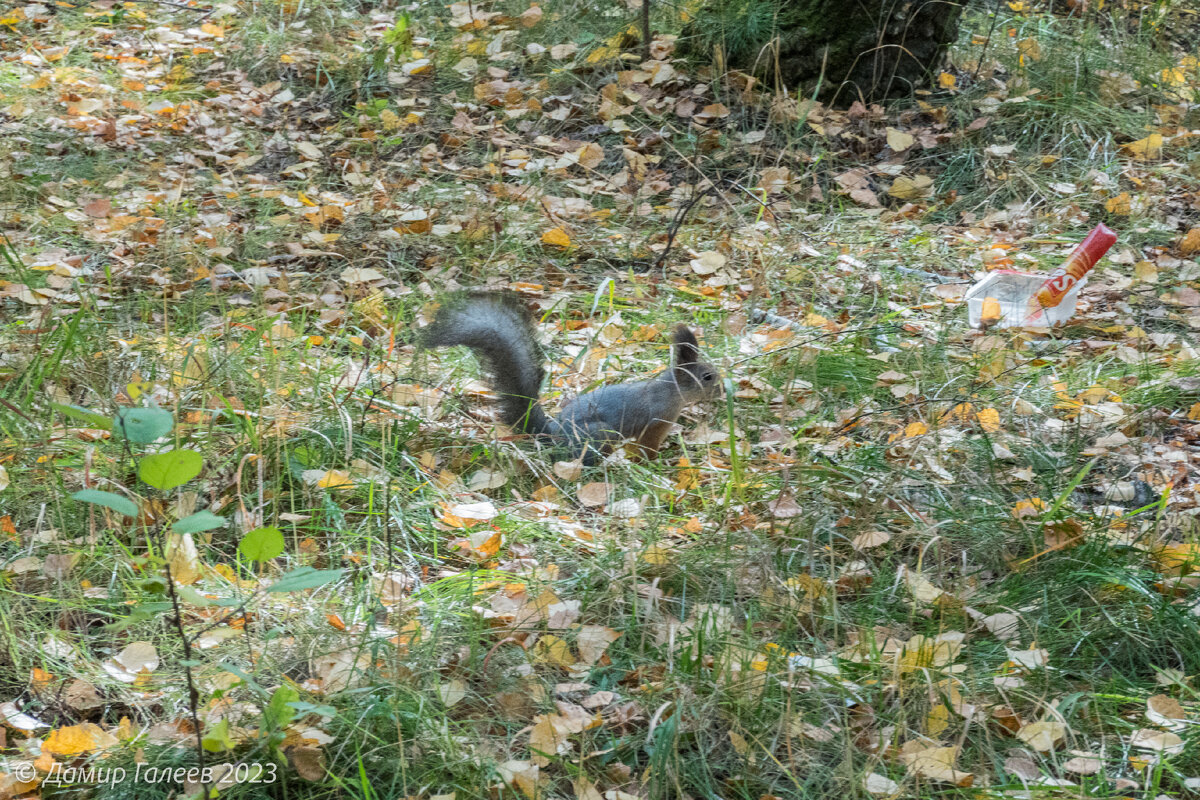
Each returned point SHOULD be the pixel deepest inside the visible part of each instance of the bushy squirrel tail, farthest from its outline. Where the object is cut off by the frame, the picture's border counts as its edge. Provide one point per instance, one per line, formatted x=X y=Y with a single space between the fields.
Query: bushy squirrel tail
x=497 y=328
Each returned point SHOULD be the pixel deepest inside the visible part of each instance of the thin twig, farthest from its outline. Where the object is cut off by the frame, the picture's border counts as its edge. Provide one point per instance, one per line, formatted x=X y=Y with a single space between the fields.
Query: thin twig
x=986 y=40
x=677 y=223
x=182 y=7
x=193 y=692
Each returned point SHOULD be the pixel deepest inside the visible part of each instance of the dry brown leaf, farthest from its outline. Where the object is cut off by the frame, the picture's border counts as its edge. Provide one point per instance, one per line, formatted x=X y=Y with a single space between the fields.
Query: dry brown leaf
x=1157 y=741
x=593 y=640
x=308 y=762
x=870 y=539
x=594 y=494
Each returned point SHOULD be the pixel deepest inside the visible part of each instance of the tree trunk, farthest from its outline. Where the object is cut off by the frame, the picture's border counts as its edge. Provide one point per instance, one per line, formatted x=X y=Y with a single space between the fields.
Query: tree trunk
x=857 y=49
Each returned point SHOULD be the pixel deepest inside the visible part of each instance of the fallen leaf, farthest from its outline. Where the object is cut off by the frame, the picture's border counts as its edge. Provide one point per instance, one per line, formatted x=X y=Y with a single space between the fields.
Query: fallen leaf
x=1158 y=741
x=309 y=762
x=593 y=640
x=556 y=237
x=1190 y=243
x=870 y=539
x=899 y=141
x=1147 y=149
x=1043 y=736
x=594 y=494
x=911 y=189
x=937 y=764
x=77 y=739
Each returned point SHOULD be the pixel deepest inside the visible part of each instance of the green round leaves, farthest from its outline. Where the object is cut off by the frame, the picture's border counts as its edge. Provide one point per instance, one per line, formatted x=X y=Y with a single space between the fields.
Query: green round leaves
x=170 y=469
x=262 y=544
x=116 y=502
x=143 y=425
x=200 y=521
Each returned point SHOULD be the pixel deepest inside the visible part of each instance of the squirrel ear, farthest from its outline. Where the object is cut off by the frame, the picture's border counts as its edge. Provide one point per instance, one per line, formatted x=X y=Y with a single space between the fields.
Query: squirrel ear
x=687 y=349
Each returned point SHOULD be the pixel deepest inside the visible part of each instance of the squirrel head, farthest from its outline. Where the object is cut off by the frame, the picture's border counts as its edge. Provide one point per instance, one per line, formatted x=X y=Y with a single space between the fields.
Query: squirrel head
x=698 y=381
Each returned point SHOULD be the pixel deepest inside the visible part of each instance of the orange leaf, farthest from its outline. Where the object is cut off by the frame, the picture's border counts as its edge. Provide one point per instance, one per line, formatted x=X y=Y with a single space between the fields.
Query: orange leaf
x=77 y=739
x=1120 y=204
x=1028 y=508
x=556 y=237
x=1191 y=242
x=991 y=312
x=989 y=419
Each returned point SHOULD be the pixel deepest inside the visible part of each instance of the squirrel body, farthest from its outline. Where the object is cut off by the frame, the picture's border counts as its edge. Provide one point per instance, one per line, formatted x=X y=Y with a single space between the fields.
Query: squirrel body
x=498 y=329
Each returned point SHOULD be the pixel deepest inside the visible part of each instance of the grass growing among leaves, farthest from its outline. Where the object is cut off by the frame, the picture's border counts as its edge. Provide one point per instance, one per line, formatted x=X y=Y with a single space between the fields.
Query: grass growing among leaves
x=246 y=527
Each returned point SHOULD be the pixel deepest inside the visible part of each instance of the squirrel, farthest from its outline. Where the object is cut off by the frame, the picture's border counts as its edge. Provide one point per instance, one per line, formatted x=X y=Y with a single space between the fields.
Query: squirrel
x=497 y=327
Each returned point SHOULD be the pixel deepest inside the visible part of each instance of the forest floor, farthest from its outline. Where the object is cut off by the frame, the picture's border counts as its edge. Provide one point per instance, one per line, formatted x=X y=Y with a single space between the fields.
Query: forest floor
x=244 y=525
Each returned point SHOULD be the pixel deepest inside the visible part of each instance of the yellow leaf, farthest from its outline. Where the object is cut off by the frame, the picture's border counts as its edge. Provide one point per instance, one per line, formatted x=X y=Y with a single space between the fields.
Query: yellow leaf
x=991 y=312
x=989 y=419
x=922 y=652
x=556 y=237
x=1028 y=508
x=335 y=479
x=936 y=764
x=1146 y=149
x=137 y=387
x=590 y=156
x=603 y=53
x=1194 y=412
x=937 y=720
x=554 y=651
x=656 y=556
x=213 y=30
x=1174 y=77
x=910 y=189
x=688 y=476
x=1120 y=204
x=961 y=412
x=915 y=429
x=1146 y=271
x=947 y=81
x=77 y=739
x=1178 y=559
x=1042 y=736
